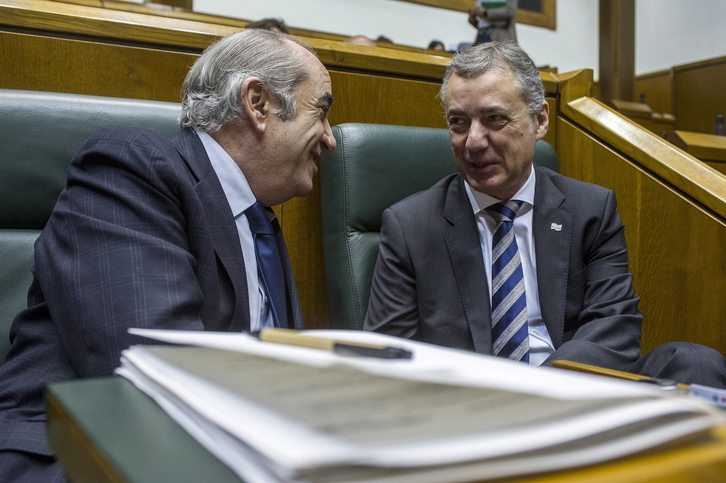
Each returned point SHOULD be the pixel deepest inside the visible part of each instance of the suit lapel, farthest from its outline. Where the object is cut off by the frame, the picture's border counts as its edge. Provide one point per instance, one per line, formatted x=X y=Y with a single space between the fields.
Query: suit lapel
x=220 y=221
x=462 y=242
x=552 y=228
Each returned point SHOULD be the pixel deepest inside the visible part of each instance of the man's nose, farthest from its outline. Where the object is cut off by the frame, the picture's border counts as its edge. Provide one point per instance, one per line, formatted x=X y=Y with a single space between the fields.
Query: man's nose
x=328 y=141
x=478 y=137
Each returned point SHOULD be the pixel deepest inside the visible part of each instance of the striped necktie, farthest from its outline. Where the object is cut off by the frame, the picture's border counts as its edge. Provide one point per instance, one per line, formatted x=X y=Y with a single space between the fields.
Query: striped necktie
x=509 y=305
x=269 y=264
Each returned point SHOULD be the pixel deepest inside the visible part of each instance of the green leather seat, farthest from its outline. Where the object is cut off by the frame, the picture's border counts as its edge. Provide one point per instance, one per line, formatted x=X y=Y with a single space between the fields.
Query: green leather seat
x=41 y=132
x=373 y=167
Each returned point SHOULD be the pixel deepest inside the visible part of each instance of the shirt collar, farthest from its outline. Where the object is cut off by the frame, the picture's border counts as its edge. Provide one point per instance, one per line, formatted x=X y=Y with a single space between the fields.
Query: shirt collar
x=234 y=184
x=481 y=201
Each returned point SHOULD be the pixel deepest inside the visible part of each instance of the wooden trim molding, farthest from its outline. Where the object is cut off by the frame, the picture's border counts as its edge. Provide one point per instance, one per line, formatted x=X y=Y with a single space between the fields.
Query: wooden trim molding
x=546 y=17
x=698 y=180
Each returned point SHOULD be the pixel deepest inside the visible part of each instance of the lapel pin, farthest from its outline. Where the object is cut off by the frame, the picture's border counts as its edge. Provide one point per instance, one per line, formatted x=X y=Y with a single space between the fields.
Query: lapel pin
x=556 y=227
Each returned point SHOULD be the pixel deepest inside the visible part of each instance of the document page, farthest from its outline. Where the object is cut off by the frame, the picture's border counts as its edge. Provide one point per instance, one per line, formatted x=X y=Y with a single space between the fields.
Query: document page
x=343 y=419
x=429 y=362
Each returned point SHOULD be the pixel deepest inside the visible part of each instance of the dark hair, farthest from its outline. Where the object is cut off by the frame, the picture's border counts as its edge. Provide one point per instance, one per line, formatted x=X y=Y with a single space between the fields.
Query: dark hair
x=436 y=43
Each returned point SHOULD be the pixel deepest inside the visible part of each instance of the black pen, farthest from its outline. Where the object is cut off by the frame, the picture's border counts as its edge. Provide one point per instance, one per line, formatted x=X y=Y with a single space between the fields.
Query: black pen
x=346 y=348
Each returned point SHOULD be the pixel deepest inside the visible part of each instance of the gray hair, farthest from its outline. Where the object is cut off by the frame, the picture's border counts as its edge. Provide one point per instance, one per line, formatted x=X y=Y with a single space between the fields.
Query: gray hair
x=499 y=55
x=211 y=91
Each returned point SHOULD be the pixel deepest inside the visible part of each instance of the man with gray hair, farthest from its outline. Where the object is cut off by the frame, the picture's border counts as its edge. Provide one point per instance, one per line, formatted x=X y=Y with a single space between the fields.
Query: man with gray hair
x=510 y=259
x=165 y=233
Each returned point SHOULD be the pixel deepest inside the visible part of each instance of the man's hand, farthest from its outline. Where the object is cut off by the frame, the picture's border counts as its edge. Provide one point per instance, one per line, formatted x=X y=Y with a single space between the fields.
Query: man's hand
x=478 y=11
x=474 y=13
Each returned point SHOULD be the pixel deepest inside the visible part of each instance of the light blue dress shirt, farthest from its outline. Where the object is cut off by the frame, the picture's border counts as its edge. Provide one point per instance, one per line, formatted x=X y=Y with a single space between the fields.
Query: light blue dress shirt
x=240 y=197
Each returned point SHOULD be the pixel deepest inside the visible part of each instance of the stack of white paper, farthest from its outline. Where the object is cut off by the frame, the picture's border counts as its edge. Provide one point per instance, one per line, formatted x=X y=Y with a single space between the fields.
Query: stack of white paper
x=281 y=413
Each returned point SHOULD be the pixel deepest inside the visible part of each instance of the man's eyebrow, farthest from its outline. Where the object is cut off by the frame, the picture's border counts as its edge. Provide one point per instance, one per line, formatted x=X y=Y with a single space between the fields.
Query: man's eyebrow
x=483 y=110
x=495 y=108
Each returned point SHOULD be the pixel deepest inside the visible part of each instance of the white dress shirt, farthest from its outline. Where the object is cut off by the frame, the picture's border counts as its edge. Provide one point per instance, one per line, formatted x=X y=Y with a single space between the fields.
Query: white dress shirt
x=540 y=342
x=239 y=196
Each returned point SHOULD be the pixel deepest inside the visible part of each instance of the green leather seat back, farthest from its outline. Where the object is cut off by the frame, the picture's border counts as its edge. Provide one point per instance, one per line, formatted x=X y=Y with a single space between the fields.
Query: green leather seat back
x=373 y=167
x=41 y=131
x=16 y=260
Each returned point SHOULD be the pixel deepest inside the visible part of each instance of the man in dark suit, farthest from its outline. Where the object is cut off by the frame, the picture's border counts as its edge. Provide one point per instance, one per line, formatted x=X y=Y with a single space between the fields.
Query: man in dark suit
x=566 y=294
x=157 y=233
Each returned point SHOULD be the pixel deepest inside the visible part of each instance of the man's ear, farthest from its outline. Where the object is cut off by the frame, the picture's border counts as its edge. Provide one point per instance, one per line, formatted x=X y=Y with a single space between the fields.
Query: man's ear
x=255 y=101
x=543 y=121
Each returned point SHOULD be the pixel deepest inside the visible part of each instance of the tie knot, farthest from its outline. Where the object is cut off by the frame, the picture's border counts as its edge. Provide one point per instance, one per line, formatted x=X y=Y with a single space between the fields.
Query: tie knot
x=505 y=212
x=258 y=219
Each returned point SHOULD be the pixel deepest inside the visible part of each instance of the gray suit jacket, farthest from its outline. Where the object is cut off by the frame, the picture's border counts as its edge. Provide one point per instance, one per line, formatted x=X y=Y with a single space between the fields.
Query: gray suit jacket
x=503 y=21
x=142 y=236
x=429 y=281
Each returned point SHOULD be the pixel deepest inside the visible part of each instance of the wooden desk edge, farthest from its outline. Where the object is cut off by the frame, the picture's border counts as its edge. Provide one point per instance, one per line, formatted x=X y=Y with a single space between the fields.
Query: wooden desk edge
x=601 y=371
x=73 y=447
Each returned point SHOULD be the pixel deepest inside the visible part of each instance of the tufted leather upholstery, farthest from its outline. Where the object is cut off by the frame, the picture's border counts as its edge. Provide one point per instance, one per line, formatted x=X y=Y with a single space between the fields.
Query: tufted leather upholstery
x=41 y=132
x=373 y=167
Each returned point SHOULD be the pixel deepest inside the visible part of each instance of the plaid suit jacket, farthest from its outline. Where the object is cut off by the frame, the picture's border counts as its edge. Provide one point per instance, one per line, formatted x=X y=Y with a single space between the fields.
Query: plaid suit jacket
x=142 y=236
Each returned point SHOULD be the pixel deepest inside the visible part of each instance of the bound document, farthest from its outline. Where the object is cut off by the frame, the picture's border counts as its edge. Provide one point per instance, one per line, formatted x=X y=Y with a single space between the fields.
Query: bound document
x=276 y=412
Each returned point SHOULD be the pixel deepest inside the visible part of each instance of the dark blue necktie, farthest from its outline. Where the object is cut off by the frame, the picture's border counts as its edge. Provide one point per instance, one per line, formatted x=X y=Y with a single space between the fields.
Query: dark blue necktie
x=510 y=333
x=269 y=264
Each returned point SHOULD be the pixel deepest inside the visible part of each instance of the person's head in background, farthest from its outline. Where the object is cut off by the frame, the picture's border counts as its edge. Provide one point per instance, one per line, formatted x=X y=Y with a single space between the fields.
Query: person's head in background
x=437 y=45
x=360 y=40
x=274 y=24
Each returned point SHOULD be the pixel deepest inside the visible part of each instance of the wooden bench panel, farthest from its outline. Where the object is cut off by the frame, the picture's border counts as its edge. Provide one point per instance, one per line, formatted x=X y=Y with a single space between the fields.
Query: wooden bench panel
x=674 y=211
x=698 y=95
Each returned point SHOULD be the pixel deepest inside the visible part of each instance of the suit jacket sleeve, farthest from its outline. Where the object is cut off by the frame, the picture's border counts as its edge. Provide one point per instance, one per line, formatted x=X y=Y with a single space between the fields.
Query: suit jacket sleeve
x=116 y=252
x=504 y=14
x=393 y=307
x=602 y=320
